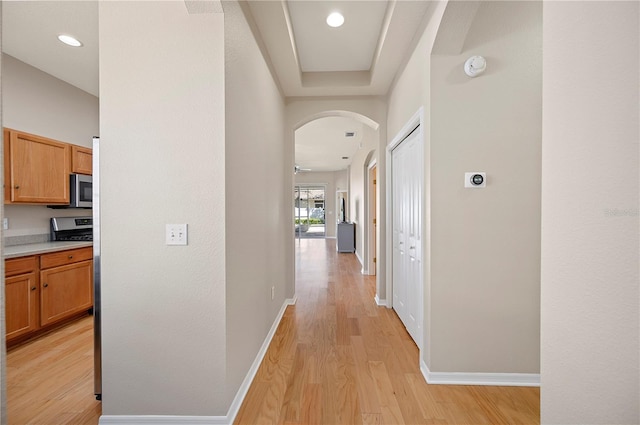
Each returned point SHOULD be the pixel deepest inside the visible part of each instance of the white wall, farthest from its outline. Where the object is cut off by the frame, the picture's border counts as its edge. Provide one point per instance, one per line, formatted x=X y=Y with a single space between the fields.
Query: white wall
x=590 y=230
x=39 y=103
x=342 y=180
x=482 y=247
x=485 y=257
x=358 y=197
x=411 y=89
x=162 y=161
x=259 y=208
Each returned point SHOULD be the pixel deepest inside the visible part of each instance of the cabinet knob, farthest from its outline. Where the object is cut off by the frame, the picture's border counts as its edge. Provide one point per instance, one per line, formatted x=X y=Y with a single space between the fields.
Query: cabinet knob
x=17 y=187
x=34 y=288
x=45 y=285
x=70 y=257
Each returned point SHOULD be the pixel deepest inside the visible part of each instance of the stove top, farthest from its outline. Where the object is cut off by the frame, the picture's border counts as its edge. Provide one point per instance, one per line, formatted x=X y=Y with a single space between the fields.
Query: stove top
x=75 y=238
x=71 y=228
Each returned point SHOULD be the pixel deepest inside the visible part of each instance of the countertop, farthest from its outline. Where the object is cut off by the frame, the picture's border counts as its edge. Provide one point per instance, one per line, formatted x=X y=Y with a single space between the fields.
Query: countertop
x=41 y=248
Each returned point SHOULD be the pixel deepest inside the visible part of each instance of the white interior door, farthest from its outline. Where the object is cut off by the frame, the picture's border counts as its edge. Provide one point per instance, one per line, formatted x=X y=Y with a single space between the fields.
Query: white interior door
x=406 y=181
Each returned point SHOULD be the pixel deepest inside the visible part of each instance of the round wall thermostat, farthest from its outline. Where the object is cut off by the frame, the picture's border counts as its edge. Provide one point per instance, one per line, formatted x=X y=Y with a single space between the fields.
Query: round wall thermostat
x=477 y=179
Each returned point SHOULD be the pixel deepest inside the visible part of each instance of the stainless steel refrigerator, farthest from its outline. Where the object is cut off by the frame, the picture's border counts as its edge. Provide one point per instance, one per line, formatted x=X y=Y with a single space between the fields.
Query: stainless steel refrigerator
x=97 y=310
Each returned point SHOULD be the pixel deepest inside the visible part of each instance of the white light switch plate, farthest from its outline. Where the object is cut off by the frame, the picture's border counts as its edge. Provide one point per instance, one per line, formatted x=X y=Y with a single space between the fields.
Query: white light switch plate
x=176 y=234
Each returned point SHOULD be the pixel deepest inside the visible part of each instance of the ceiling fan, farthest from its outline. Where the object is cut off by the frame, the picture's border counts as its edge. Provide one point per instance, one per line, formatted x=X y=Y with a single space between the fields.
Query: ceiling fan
x=297 y=169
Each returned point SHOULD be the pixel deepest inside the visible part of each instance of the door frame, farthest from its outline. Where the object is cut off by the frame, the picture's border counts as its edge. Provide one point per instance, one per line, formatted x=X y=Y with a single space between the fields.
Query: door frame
x=372 y=212
x=417 y=120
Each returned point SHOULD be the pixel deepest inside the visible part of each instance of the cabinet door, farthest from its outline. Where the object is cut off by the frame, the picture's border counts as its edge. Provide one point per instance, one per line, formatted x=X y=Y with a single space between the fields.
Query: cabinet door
x=7 y=166
x=21 y=305
x=81 y=160
x=65 y=290
x=39 y=169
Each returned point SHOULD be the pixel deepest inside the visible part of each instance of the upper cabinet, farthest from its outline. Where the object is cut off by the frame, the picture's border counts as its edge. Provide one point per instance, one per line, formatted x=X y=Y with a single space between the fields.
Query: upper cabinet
x=81 y=160
x=36 y=169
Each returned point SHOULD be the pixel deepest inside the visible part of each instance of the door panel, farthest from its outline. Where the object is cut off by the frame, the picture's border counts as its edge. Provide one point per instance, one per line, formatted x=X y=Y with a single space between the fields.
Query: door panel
x=406 y=175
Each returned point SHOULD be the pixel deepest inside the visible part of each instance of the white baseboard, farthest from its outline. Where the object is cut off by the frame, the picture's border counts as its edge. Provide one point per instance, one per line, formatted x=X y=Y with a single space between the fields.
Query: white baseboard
x=494 y=379
x=244 y=387
x=380 y=302
x=162 y=420
x=207 y=420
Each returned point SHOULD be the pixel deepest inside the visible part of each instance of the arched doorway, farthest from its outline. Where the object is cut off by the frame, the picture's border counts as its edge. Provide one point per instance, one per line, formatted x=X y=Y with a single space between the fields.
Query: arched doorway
x=352 y=180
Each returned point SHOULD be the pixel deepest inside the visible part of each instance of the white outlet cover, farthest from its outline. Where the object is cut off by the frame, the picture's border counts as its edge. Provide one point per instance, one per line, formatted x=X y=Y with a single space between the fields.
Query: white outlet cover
x=468 y=180
x=176 y=234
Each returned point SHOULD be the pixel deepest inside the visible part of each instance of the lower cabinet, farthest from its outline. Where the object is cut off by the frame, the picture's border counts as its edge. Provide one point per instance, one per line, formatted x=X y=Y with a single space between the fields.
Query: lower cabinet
x=65 y=290
x=46 y=289
x=21 y=296
x=346 y=237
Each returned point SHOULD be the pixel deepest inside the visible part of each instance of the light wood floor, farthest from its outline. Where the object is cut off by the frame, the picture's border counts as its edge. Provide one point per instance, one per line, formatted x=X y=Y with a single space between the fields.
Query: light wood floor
x=50 y=379
x=337 y=358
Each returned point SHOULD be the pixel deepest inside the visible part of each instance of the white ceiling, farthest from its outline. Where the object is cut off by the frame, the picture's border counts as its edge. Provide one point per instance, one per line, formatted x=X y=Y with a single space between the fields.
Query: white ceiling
x=350 y=47
x=307 y=56
x=360 y=58
x=322 y=144
x=30 y=30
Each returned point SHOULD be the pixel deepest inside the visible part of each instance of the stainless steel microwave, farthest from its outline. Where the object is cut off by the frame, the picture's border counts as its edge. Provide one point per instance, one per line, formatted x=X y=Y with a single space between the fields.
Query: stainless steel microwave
x=81 y=191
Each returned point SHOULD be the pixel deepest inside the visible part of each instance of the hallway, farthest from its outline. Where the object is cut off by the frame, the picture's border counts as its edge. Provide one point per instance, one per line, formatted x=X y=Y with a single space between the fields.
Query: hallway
x=337 y=358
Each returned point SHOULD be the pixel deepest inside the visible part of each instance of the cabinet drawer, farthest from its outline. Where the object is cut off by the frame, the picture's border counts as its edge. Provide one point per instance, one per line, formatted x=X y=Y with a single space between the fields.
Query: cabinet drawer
x=20 y=265
x=65 y=257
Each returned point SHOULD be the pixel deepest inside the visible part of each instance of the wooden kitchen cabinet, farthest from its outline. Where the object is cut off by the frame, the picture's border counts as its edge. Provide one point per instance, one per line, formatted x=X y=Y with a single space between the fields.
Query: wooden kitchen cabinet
x=21 y=297
x=43 y=291
x=66 y=284
x=36 y=169
x=7 y=165
x=81 y=160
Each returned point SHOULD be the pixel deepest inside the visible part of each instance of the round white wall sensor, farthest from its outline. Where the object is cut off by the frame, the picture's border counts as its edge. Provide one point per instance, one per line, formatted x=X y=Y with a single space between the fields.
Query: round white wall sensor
x=475 y=66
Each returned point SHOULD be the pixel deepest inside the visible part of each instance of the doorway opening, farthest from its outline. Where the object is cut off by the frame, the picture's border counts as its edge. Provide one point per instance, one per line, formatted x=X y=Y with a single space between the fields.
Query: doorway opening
x=309 y=212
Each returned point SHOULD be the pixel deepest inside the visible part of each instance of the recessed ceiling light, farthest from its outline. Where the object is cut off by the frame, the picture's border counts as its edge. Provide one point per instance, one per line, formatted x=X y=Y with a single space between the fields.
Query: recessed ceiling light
x=69 y=40
x=335 y=20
